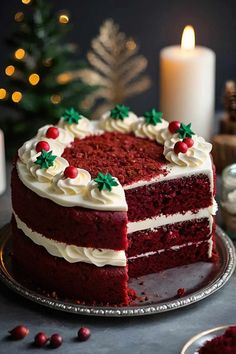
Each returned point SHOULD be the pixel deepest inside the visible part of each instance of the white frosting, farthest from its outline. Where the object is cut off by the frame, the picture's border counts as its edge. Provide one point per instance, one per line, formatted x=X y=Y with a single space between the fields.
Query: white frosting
x=70 y=186
x=28 y=150
x=83 y=128
x=175 y=248
x=162 y=220
x=45 y=190
x=105 y=197
x=72 y=253
x=163 y=135
x=152 y=132
x=46 y=174
x=65 y=137
x=194 y=156
x=110 y=124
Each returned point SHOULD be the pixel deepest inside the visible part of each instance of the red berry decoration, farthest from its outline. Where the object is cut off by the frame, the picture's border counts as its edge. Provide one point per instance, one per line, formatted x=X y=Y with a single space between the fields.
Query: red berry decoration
x=42 y=145
x=189 y=142
x=56 y=340
x=181 y=292
x=180 y=146
x=40 y=339
x=84 y=334
x=19 y=332
x=174 y=126
x=52 y=133
x=71 y=172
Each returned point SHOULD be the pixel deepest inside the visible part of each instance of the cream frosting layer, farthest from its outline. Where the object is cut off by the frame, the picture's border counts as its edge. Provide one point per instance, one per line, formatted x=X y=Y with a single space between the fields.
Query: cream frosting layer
x=175 y=248
x=150 y=131
x=45 y=190
x=118 y=125
x=72 y=253
x=162 y=220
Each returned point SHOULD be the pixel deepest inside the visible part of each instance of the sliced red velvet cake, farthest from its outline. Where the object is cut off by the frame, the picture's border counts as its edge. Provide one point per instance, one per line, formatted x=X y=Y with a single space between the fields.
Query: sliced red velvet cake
x=224 y=344
x=95 y=203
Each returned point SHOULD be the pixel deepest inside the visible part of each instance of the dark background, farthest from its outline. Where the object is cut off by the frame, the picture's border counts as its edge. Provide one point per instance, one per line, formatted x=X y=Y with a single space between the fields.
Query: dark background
x=154 y=24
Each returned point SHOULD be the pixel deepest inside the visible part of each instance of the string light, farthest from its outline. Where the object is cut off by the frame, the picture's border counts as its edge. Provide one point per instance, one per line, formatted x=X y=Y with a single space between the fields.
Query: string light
x=19 y=16
x=34 y=79
x=64 y=78
x=130 y=44
x=64 y=19
x=20 y=53
x=10 y=69
x=26 y=2
x=16 y=96
x=3 y=93
x=55 y=99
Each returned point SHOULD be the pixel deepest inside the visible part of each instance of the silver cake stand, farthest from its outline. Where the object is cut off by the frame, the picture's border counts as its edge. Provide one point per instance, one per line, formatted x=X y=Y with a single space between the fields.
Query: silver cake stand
x=156 y=292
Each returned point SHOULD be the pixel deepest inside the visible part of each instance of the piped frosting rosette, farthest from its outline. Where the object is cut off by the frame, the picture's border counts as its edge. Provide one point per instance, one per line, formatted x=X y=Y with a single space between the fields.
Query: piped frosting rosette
x=47 y=174
x=76 y=124
x=71 y=186
x=186 y=149
x=150 y=125
x=119 y=119
x=64 y=136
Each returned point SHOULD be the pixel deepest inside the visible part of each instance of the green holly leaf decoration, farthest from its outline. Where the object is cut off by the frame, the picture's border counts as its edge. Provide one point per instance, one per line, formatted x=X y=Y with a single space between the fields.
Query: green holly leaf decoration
x=45 y=159
x=185 y=131
x=105 y=182
x=153 y=117
x=71 y=116
x=120 y=112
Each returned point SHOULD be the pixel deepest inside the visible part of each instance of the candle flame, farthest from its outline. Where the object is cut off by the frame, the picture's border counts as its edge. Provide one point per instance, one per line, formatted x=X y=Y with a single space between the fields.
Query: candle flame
x=188 y=38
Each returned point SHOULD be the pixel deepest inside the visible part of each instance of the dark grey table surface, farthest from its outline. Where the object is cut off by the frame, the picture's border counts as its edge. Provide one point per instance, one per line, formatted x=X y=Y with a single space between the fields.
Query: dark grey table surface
x=156 y=334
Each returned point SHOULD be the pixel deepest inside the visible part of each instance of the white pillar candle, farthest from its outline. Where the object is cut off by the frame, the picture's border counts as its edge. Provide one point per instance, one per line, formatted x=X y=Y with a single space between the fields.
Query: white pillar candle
x=187 y=84
x=2 y=164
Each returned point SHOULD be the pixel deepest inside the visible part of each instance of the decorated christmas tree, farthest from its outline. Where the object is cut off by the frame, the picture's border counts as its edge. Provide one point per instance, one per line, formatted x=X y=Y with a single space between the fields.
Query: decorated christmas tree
x=40 y=82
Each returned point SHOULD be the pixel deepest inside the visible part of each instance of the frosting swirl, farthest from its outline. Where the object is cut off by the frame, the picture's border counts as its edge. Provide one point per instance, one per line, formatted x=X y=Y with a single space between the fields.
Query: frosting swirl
x=28 y=150
x=105 y=197
x=194 y=156
x=65 y=137
x=81 y=130
x=143 y=130
x=70 y=186
x=110 y=124
x=46 y=175
x=163 y=135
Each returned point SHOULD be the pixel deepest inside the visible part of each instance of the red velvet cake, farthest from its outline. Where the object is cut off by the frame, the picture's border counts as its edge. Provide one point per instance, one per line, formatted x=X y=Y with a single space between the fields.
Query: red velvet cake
x=225 y=344
x=95 y=203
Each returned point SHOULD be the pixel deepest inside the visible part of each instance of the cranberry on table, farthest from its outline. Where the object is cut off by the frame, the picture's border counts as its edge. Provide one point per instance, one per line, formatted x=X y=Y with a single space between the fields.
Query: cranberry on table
x=84 y=334
x=71 y=172
x=180 y=146
x=189 y=142
x=174 y=126
x=52 y=133
x=40 y=339
x=42 y=145
x=56 y=340
x=19 y=332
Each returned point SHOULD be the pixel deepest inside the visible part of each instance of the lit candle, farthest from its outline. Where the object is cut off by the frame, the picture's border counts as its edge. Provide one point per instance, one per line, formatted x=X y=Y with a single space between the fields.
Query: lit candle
x=187 y=88
x=2 y=164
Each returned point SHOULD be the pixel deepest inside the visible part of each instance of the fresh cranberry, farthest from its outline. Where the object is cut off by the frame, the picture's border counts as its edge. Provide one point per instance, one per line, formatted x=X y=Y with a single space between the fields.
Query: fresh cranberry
x=19 y=332
x=40 y=339
x=84 y=334
x=52 y=133
x=189 y=142
x=71 y=172
x=174 y=126
x=56 y=340
x=42 y=145
x=180 y=146
x=181 y=292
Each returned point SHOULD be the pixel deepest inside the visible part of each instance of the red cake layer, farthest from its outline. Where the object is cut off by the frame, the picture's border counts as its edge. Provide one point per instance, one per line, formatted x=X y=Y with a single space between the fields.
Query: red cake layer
x=169 y=235
x=124 y=156
x=78 y=226
x=225 y=344
x=169 y=197
x=80 y=281
x=168 y=259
